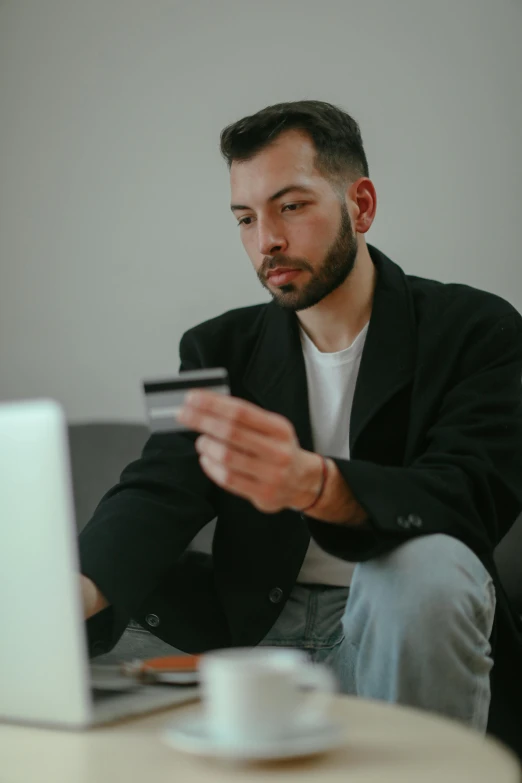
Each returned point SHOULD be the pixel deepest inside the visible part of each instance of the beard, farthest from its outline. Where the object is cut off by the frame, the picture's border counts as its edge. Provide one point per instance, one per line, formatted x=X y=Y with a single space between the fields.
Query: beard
x=337 y=265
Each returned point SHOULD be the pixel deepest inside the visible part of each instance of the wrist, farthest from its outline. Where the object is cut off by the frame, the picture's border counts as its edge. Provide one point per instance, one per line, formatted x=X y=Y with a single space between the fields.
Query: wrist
x=310 y=482
x=337 y=503
x=92 y=599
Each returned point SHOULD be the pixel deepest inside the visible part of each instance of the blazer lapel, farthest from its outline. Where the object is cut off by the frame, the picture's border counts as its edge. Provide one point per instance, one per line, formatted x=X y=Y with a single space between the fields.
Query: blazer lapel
x=276 y=374
x=389 y=355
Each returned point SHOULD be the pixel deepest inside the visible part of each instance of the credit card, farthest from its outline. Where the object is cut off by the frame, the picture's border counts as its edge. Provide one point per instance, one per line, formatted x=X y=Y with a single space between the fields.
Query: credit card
x=164 y=398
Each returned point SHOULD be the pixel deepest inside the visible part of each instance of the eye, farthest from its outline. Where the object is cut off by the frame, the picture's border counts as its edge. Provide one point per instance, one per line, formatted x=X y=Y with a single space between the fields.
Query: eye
x=242 y=222
x=292 y=207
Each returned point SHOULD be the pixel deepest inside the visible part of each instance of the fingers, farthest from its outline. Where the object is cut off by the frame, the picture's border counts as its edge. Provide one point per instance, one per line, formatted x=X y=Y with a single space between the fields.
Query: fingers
x=203 y=408
x=260 y=494
x=268 y=464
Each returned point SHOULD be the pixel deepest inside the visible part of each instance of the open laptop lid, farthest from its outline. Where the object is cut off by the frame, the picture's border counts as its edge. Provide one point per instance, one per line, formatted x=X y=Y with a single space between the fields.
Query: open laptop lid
x=43 y=654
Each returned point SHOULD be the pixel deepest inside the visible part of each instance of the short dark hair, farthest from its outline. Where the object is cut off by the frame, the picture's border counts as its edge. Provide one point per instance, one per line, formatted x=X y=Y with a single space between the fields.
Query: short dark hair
x=336 y=136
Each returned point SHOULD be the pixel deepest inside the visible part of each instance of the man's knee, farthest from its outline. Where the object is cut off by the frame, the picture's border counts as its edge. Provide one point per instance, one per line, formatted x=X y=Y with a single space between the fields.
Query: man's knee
x=432 y=578
x=420 y=618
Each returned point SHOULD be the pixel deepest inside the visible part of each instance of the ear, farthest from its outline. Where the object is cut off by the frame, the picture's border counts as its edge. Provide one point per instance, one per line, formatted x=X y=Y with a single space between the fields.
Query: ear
x=361 y=197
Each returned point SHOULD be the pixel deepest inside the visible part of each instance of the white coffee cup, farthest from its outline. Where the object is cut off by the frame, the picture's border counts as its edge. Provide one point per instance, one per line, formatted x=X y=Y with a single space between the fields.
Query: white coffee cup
x=254 y=695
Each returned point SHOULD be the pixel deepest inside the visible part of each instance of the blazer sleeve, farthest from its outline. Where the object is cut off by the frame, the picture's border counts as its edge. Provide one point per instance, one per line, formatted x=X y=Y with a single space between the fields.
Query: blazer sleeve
x=143 y=525
x=467 y=482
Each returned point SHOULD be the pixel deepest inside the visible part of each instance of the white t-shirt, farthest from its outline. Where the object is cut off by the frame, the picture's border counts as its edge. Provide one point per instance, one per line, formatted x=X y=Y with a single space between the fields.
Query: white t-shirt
x=331 y=381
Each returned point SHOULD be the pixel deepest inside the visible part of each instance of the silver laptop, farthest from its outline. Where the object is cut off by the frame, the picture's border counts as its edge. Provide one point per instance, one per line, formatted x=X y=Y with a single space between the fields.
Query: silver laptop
x=45 y=675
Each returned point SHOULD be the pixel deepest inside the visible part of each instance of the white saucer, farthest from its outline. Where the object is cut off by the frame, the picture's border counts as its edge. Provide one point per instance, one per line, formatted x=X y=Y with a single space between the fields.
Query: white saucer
x=192 y=735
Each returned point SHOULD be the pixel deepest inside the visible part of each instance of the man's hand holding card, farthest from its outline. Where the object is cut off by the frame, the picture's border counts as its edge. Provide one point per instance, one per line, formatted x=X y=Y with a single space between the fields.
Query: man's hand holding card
x=243 y=448
x=251 y=452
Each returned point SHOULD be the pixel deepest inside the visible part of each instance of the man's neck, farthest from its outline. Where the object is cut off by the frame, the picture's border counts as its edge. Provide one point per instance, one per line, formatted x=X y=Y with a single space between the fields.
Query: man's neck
x=335 y=322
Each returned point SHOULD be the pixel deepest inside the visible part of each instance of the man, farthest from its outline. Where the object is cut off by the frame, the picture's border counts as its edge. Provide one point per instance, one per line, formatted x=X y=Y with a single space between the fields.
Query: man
x=364 y=468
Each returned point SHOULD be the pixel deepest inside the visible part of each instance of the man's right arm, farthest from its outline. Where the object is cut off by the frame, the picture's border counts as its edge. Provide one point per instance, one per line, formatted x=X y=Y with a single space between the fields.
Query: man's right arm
x=144 y=524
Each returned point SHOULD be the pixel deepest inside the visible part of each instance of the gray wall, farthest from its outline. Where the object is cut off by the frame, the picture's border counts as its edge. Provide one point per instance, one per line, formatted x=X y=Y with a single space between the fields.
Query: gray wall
x=115 y=234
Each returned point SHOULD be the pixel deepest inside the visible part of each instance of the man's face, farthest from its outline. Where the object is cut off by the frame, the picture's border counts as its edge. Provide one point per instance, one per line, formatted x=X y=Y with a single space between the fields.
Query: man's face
x=294 y=226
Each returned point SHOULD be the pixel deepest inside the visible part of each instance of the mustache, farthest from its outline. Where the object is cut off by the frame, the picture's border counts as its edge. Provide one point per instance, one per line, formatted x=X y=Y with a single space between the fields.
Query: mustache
x=273 y=262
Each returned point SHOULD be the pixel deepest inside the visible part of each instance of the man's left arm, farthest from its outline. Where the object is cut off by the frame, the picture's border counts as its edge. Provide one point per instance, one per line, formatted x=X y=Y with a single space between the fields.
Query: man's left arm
x=466 y=483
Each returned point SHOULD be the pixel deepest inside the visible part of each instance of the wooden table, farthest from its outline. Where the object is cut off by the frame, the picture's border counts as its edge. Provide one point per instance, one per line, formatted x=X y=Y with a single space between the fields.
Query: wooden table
x=384 y=744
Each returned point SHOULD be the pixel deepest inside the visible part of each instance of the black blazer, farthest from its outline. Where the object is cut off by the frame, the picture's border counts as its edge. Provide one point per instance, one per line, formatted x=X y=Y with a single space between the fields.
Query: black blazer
x=436 y=436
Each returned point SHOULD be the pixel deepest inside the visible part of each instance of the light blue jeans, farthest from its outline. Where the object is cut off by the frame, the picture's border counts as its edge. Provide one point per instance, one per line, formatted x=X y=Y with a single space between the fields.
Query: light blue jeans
x=413 y=628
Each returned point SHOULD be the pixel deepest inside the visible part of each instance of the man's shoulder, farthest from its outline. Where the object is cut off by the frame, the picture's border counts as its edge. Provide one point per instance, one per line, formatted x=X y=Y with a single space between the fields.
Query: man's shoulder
x=448 y=302
x=457 y=302
x=227 y=339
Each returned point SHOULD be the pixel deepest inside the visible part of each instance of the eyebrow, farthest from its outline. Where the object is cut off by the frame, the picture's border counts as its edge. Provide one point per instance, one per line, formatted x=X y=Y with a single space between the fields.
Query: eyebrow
x=279 y=194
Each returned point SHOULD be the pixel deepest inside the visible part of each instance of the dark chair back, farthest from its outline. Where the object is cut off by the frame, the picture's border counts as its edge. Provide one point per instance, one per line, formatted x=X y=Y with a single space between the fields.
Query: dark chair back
x=99 y=452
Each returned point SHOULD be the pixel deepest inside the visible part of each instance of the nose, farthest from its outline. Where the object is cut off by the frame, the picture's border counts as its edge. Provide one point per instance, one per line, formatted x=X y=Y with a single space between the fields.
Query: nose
x=270 y=238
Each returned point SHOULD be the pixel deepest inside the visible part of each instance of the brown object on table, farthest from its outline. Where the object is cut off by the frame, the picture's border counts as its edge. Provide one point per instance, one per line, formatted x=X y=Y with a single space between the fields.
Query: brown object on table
x=168 y=663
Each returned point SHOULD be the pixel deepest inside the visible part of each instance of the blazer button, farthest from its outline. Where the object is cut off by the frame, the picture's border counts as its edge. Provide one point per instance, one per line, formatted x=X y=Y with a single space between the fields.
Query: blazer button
x=275 y=595
x=415 y=520
x=403 y=522
x=152 y=620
